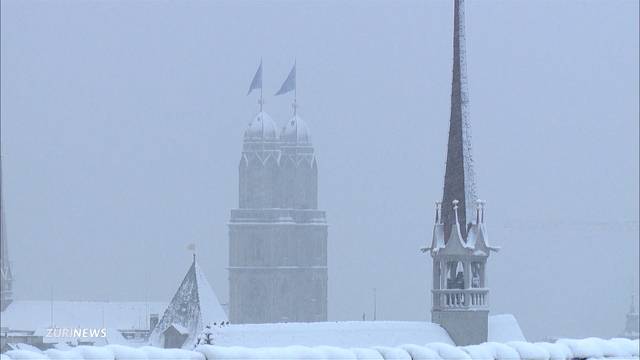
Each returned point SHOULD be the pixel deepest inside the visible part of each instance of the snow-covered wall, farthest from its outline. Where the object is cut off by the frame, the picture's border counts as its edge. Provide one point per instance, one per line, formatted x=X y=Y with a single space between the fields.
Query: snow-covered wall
x=564 y=349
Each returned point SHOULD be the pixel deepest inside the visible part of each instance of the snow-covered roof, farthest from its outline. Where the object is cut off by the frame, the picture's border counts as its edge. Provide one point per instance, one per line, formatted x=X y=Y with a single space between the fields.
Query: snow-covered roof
x=193 y=306
x=180 y=329
x=355 y=333
x=564 y=349
x=340 y=333
x=35 y=315
x=504 y=328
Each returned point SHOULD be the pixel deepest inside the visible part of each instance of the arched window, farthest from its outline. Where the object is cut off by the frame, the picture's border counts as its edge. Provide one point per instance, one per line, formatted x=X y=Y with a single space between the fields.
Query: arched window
x=455 y=275
x=476 y=274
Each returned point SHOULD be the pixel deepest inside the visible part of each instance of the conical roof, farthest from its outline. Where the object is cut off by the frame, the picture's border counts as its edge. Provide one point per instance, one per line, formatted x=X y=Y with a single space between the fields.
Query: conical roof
x=193 y=306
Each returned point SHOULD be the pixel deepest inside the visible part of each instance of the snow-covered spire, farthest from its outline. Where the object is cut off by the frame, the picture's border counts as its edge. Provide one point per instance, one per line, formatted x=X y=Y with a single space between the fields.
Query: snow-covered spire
x=632 y=327
x=194 y=306
x=459 y=181
x=6 y=277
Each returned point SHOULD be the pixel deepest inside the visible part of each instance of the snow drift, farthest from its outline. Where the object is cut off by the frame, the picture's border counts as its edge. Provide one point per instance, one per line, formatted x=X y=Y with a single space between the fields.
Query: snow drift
x=564 y=349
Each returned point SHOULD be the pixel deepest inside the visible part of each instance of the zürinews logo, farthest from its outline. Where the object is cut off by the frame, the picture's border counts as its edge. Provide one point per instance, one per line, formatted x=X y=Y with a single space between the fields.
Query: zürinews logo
x=76 y=332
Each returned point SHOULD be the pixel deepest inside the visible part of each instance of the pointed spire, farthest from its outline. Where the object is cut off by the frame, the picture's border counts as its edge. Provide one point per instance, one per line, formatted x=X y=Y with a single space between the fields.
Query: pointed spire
x=6 y=278
x=194 y=305
x=459 y=181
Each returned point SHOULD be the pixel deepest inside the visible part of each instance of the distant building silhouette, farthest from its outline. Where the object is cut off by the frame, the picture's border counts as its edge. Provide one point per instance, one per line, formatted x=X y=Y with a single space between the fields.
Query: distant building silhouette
x=277 y=235
x=632 y=326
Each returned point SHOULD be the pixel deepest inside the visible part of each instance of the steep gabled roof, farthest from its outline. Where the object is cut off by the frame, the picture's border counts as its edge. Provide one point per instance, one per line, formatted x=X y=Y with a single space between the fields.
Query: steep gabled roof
x=193 y=306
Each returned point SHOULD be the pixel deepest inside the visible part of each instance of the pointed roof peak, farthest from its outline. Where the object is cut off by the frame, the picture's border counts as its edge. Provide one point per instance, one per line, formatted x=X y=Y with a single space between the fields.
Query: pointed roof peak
x=459 y=182
x=193 y=306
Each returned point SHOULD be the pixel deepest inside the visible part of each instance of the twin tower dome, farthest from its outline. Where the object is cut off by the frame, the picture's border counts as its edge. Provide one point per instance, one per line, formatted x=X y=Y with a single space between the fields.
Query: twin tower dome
x=264 y=129
x=277 y=235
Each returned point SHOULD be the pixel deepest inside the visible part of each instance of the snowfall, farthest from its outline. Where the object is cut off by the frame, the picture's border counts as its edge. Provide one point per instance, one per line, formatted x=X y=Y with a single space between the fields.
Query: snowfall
x=591 y=348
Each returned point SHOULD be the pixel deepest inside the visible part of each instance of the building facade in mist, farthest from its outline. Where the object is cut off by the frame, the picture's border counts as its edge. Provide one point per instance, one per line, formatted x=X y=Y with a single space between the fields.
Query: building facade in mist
x=632 y=326
x=6 y=276
x=460 y=247
x=277 y=235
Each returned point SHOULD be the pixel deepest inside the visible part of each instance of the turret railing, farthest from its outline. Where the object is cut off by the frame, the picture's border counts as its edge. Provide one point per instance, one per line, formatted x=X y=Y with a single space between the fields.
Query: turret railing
x=462 y=299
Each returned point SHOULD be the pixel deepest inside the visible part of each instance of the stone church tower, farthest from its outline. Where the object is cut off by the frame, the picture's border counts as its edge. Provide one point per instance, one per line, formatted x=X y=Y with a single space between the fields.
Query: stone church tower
x=6 y=277
x=460 y=246
x=277 y=236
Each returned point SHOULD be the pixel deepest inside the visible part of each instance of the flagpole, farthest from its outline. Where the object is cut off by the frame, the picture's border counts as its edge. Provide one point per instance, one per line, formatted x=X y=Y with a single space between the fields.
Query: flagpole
x=295 y=88
x=261 y=85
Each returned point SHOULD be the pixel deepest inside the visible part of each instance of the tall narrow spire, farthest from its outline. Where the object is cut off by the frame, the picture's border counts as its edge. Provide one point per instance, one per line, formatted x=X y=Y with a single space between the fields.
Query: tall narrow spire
x=459 y=183
x=6 y=281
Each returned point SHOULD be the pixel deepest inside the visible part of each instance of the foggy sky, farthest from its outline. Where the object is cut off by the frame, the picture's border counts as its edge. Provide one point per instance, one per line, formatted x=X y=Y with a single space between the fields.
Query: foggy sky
x=122 y=128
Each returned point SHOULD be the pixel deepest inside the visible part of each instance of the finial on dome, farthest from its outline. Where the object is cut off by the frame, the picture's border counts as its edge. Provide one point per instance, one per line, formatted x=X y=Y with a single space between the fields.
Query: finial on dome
x=260 y=101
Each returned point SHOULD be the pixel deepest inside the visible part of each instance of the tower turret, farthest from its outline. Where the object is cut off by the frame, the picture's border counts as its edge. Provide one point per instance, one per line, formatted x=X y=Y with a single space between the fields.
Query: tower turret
x=277 y=236
x=258 y=168
x=299 y=168
x=459 y=246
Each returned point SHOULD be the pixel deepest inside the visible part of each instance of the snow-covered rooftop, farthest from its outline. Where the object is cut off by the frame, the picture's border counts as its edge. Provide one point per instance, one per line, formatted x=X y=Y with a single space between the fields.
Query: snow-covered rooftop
x=502 y=328
x=340 y=334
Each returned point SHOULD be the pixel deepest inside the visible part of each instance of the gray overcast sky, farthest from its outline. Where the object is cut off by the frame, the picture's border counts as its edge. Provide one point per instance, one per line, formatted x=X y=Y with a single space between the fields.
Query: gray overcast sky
x=122 y=126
